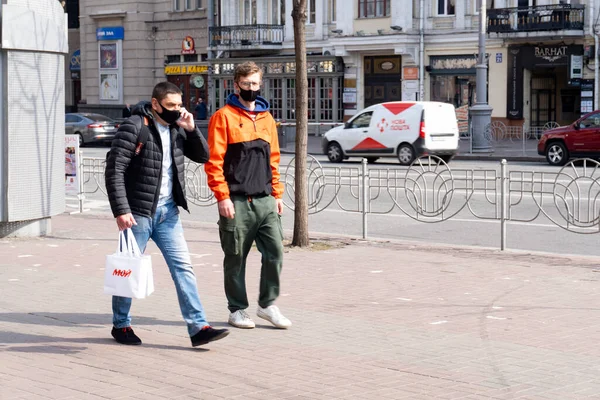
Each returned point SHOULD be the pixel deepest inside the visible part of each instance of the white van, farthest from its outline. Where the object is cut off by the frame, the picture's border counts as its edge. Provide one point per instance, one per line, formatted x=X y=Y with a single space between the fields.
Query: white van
x=403 y=129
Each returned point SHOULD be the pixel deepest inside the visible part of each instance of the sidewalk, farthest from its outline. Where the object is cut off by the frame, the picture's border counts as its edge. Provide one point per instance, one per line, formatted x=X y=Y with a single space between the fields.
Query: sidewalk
x=510 y=150
x=376 y=320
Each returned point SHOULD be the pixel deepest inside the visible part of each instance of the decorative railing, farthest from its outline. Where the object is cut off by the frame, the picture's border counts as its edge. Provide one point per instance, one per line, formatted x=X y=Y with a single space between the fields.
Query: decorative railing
x=537 y=18
x=246 y=35
x=427 y=191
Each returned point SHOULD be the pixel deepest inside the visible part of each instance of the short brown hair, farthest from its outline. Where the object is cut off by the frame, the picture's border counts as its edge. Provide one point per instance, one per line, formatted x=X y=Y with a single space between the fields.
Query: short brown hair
x=245 y=69
x=163 y=89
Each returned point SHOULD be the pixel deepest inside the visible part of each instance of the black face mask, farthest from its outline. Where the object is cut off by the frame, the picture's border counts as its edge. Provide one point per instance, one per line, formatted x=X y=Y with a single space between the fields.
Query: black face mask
x=169 y=116
x=249 y=95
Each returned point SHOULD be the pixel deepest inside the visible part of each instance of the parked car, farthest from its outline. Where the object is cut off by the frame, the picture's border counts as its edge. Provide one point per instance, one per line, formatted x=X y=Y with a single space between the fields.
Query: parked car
x=580 y=139
x=402 y=129
x=91 y=128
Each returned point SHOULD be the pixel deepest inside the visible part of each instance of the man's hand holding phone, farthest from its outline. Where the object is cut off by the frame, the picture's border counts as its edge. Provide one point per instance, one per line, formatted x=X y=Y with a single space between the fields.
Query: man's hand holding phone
x=186 y=121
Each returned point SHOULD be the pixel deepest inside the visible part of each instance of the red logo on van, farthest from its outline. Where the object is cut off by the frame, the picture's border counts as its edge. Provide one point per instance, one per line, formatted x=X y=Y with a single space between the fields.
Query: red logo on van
x=382 y=125
x=397 y=108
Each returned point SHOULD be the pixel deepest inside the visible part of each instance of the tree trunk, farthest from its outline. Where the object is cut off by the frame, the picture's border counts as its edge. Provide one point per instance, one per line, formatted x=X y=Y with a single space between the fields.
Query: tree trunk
x=301 y=186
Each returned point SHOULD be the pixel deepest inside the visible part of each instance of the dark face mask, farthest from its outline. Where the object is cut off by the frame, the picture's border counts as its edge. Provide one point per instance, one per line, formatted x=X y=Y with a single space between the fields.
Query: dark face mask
x=169 y=116
x=249 y=95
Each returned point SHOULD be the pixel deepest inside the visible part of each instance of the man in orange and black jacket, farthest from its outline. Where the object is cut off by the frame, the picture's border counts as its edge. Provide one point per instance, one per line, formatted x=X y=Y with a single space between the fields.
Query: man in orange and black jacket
x=243 y=173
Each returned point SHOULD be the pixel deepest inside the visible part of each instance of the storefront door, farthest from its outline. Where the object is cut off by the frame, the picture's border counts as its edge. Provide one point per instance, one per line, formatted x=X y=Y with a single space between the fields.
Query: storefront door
x=192 y=87
x=382 y=80
x=543 y=100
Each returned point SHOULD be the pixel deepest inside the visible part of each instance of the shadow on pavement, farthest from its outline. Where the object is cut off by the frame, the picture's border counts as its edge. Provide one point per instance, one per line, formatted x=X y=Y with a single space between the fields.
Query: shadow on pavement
x=52 y=345
x=80 y=319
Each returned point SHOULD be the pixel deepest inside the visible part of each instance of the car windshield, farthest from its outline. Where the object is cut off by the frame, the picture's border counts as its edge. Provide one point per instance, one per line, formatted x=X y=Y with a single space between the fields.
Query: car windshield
x=97 y=117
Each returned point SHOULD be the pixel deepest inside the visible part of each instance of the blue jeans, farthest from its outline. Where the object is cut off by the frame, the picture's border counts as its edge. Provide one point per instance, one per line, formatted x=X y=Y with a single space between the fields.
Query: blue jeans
x=166 y=231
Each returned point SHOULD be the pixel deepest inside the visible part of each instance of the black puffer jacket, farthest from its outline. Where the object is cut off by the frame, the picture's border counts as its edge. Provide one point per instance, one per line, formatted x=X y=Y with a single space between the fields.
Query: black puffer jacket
x=133 y=181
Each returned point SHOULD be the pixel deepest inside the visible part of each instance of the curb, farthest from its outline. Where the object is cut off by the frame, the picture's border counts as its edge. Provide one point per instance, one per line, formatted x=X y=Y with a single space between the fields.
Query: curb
x=471 y=157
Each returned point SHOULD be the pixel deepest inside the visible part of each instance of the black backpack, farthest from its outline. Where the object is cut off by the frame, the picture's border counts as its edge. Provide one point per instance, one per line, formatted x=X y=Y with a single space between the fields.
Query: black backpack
x=143 y=134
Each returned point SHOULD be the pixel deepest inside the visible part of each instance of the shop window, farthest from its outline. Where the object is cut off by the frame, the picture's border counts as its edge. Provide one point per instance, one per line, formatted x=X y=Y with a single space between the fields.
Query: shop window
x=291 y=98
x=373 y=8
x=275 y=93
x=456 y=90
x=445 y=7
x=312 y=98
x=326 y=99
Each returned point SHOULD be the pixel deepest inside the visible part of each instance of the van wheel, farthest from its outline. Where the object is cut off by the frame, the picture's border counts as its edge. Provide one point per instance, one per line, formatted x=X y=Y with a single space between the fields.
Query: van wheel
x=371 y=160
x=334 y=152
x=406 y=154
x=557 y=154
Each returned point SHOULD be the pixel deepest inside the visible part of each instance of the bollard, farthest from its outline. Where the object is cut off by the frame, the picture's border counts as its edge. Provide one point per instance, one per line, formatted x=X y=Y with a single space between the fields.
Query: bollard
x=365 y=196
x=503 y=204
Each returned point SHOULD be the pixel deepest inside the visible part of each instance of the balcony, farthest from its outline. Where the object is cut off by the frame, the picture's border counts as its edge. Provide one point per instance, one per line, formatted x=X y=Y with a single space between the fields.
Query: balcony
x=558 y=17
x=246 y=37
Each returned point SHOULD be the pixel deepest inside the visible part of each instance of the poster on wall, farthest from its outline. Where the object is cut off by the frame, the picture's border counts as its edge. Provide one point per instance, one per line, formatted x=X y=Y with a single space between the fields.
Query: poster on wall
x=109 y=87
x=71 y=164
x=108 y=56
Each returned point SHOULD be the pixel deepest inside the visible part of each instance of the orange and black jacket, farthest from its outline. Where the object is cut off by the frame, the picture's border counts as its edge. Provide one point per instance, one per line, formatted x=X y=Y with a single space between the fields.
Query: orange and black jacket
x=244 y=151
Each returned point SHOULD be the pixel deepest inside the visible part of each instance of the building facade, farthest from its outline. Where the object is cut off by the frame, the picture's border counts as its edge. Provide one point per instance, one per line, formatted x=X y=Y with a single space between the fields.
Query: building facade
x=360 y=52
x=126 y=47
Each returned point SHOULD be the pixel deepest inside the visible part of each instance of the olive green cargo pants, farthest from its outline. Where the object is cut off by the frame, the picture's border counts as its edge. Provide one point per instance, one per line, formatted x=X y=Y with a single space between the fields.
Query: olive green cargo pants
x=256 y=219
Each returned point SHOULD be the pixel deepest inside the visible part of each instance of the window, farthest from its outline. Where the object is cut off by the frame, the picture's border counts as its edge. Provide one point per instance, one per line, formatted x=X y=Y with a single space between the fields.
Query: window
x=362 y=121
x=275 y=93
x=373 y=8
x=445 y=7
x=326 y=98
x=332 y=16
x=178 y=5
x=277 y=12
x=173 y=59
x=190 y=58
x=311 y=9
x=249 y=12
x=593 y=121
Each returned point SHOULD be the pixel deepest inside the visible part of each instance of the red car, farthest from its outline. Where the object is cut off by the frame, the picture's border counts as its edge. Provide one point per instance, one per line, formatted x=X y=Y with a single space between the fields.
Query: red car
x=580 y=139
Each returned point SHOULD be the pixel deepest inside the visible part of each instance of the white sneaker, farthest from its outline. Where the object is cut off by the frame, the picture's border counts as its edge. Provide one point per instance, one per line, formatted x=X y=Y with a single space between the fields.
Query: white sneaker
x=273 y=315
x=241 y=319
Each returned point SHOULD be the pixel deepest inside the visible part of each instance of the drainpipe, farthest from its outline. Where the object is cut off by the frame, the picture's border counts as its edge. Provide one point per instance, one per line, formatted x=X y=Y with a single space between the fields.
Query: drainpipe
x=595 y=35
x=421 y=50
x=210 y=81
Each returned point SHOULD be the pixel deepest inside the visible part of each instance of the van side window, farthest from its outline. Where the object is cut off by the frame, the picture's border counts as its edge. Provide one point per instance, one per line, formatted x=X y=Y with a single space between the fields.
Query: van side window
x=362 y=121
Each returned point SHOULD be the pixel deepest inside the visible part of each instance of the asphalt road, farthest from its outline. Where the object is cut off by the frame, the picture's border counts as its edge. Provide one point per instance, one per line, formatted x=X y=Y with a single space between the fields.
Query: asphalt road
x=464 y=228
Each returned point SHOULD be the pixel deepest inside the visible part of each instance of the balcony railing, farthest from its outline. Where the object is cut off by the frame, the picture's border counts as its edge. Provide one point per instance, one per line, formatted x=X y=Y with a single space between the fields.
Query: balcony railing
x=537 y=18
x=241 y=36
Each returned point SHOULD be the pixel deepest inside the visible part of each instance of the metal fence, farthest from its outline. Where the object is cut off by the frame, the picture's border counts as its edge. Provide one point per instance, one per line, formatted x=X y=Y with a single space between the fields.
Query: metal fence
x=520 y=140
x=428 y=191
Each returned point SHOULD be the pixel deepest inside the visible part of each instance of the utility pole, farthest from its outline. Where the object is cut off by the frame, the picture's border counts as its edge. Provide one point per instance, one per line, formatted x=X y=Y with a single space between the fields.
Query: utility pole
x=481 y=112
x=210 y=20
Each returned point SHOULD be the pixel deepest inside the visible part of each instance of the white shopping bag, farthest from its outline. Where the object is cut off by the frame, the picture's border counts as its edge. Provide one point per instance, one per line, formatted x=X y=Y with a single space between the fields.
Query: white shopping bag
x=128 y=273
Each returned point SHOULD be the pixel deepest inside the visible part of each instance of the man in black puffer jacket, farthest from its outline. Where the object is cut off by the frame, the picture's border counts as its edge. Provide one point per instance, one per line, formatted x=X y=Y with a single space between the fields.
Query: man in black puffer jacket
x=145 y=181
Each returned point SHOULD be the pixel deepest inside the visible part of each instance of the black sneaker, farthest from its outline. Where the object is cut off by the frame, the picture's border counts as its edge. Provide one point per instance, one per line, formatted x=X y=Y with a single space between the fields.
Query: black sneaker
x=125 y=336
x=208 y=334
